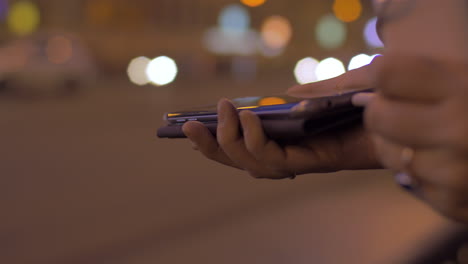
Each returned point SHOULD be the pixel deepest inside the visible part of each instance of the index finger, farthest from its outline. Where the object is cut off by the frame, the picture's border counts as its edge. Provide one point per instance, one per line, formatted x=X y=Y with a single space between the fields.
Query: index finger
x=357 y=79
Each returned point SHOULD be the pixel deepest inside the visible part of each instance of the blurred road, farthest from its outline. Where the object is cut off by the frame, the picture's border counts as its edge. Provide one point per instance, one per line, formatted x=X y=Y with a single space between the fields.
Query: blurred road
x=84 y=180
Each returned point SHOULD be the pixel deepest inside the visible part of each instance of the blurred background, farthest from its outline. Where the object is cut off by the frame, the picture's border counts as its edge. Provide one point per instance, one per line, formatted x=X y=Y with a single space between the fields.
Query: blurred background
x=83 y=88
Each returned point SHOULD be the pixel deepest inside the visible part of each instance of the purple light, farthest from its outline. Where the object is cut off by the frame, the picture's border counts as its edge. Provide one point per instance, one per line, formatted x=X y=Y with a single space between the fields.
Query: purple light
x=370 y=34
x=3 y=9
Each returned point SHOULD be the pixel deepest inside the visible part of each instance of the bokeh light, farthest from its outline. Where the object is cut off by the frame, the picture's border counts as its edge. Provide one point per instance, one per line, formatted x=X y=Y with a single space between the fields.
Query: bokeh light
x=276 y=32
x=271 y=101
x=370 y=34
x=232 y=36
x=162 y=70
x=23 y=18
x=137 y=71
x=305 y=70
x=347 y=10
x=330 y=32
x=59 y=50
x=329 y=68
x=3 y=9
x=234 y=18
x=253 y=3
x=359 y=61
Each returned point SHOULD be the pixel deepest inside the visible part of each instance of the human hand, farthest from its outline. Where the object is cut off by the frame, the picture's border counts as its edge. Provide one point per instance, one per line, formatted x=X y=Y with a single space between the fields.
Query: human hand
x=419 y=125
x=261 y=157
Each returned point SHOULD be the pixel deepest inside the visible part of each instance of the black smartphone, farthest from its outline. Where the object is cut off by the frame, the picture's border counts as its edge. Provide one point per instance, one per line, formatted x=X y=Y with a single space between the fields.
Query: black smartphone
x=282 y=117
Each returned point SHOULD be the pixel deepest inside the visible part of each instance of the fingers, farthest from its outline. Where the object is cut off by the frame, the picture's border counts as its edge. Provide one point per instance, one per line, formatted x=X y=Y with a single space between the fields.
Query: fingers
x=229 y=135
x=230 y=146
x=411 y=78
x=363 y=99
x=231 y=141
x=389 y=153
x=264 y=150
x=311 y=90
x=426 y=165
x=436 y=177
x=206 y=143
x=449 y=202
x=441 y=168
x=409 y=124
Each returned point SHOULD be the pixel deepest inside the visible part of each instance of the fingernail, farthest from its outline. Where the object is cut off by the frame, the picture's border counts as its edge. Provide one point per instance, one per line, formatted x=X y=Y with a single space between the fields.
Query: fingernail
x=362 y=99
x=223 y=106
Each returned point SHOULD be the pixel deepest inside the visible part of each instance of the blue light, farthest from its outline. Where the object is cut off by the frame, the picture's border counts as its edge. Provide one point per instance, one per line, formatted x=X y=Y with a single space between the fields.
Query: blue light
x=370 y=34
x=234 y=18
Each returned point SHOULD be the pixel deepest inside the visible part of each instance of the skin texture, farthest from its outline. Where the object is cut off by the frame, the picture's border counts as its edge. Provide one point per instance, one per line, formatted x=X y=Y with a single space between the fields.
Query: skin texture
x=422 y=104
x=252 y=151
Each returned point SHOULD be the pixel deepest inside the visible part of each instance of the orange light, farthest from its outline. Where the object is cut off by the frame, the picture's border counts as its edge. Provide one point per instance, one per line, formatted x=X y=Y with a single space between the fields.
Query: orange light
x=253 y=3
x=173 y=114
x=247 y=107
x=59 y=50
x=271 y=101
x=276 y=32
x=347 y=10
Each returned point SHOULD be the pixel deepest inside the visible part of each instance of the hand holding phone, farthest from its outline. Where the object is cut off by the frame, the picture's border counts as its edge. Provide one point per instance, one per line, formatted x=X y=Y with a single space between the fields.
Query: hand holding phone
x=347 y=146
x=254 y=151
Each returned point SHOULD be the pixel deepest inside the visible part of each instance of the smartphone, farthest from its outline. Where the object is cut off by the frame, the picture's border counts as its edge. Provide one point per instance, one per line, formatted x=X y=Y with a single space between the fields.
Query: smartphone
x=282 y=117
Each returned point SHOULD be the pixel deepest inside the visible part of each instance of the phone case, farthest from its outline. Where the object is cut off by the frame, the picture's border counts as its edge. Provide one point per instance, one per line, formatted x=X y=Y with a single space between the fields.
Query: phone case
x=285 y=128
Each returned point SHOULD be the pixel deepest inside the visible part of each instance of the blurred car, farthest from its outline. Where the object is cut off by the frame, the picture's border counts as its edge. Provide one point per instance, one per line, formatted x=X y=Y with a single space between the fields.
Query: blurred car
x=45 y=64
